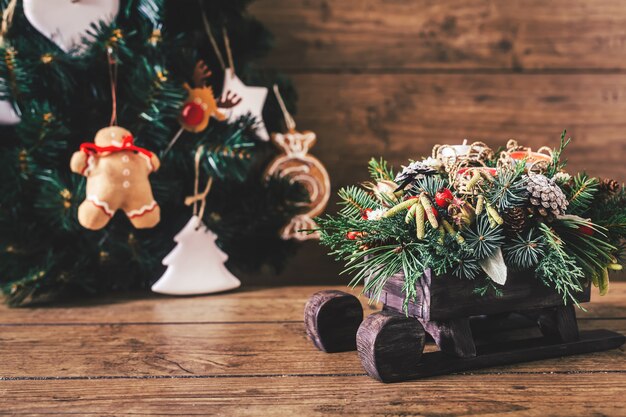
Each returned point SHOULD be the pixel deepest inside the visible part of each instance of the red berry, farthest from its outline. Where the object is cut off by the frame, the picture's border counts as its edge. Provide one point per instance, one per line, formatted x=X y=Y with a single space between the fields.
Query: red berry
x=444 y=197
x=586 y=230
x=365 y=212
x=353 y=235
x=192 y=114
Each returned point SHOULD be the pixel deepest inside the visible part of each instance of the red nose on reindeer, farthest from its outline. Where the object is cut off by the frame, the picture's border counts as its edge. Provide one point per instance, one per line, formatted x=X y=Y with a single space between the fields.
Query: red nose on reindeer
x=192 y=114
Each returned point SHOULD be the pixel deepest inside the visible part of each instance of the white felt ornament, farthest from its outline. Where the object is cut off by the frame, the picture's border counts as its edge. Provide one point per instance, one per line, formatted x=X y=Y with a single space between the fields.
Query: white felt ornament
x=67 y=22
x=8 y=115
x=196 y=264
x=252 y=100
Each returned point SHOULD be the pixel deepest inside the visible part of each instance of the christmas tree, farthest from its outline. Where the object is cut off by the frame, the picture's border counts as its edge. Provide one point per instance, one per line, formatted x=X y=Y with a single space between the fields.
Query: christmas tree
x=59 y=88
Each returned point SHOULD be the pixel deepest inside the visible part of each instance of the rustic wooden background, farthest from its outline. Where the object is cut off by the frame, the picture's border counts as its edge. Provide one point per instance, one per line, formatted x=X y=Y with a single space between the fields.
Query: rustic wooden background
x=395 y=77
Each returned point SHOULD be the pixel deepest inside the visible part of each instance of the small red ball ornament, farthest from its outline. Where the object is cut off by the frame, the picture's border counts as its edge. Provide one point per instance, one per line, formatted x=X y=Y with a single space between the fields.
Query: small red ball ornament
x=444 y=197
x=353 y=235
x=192 y=114
x=586 y=230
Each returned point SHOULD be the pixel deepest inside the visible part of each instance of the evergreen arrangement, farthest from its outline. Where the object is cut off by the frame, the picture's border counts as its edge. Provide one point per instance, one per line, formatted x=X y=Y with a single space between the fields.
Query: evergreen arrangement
x=470 y=213
x=63 y=99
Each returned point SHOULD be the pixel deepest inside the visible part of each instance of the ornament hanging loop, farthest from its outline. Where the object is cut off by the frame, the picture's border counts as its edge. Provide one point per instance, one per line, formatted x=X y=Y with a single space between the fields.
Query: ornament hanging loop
x=229 y=52
x=112 y=63
x=199 y=197
x=289 y=121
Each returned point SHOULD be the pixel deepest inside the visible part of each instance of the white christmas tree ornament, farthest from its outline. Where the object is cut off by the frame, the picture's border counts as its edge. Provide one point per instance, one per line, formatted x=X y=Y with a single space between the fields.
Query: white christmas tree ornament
x=196 y=264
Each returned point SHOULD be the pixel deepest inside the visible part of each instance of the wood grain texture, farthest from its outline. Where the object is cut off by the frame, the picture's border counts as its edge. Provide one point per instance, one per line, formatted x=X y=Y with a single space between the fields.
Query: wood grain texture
x=121 y=358
x=513 y=394
x=271 y=304
x=286 y=304
x=317 y=35
x=401 y=116
x=210 y=349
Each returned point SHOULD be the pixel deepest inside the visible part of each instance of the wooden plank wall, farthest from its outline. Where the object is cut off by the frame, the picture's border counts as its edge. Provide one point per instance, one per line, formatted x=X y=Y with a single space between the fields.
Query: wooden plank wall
x=395 y=77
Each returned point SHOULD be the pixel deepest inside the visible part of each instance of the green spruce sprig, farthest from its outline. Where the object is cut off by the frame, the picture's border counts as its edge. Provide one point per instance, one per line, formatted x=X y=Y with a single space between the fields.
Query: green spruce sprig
x=558 y=269
x=557 y=164
x=354 y=201
x=581 y=194
x=430 y=184
x=482 y=238
x=524 y=251
x=379 y=170
x=509 y=187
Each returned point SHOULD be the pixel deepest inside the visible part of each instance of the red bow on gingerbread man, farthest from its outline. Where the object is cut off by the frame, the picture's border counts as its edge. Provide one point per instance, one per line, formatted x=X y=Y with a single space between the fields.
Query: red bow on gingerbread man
x=128 y=144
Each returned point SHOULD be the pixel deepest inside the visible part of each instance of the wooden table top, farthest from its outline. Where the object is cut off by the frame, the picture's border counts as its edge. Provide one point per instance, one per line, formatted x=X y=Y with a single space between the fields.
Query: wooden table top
x=246 y=353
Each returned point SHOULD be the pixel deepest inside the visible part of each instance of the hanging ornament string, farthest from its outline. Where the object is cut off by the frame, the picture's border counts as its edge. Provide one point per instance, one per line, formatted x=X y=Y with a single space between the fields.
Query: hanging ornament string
x=289 y=121
x=218 y=53
x=7 y=19
x=229 y=52
x=199 y=197
x=173 y=141
x=113 y=81
x=209 y=32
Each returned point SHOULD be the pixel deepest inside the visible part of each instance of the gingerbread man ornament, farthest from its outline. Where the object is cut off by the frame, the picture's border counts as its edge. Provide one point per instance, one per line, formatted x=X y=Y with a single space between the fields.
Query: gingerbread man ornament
x=117 y=179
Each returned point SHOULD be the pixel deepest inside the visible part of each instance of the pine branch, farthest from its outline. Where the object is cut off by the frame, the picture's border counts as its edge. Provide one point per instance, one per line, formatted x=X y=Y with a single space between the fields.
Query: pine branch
x=582 y=194
x=558 y=269
x=509 y=187
x=355 y=201
x=524 y=251
x=379 y=170
x=467 y=267
x=430 y=184
x=556 y=164
x=482 y=238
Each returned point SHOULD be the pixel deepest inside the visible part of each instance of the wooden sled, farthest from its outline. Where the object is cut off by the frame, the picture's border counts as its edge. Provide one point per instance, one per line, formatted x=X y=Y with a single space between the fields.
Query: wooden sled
x=390 y=343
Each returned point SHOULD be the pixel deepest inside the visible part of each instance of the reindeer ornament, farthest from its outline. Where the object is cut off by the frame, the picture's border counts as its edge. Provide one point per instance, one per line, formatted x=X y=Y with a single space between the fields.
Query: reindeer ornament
x=201 y=105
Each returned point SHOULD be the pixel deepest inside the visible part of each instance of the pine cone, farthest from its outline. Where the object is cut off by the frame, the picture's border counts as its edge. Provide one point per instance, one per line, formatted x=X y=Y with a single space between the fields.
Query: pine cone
x=414 y=171
x=515 y=220
x=608 y=186
x=546 y=197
